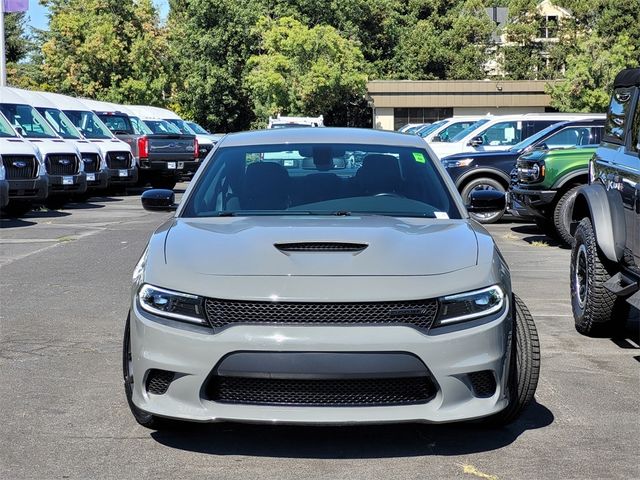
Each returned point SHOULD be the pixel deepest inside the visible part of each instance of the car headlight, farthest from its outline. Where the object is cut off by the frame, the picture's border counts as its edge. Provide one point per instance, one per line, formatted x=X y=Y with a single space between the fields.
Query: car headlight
x=470 y=305
x=464 y=162
x=171 y=304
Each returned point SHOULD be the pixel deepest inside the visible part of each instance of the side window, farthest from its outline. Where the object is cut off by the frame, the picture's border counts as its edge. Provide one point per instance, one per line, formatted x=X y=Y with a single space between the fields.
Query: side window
x=572 y=136
x=503 y=133
x=616 y=116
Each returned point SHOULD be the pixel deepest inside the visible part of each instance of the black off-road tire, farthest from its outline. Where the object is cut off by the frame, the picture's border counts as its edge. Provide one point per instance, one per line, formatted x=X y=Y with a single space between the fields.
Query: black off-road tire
x=595 y=309
x=485 y=218
x=143 y=418
x=524 y=365
x=562 y=215
x=16 y=209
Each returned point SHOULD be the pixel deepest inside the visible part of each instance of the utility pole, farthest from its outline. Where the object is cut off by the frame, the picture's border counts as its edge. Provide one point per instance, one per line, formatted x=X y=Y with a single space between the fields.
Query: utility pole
x=3 y=49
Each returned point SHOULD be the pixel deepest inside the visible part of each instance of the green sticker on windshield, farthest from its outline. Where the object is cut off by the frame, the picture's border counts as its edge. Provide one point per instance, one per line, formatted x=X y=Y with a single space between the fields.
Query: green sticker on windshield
x=419 y=157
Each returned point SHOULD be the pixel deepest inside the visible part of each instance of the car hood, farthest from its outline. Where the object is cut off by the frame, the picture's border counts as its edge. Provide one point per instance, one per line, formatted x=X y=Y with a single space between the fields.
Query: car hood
x=16 y=146
x=244 y=246
x=482 y=156
x=111 y=145
x=86 y=147
x=444 y=149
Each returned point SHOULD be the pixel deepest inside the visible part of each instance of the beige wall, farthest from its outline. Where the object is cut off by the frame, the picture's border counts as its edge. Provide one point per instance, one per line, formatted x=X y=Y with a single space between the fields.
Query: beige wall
x=383 y=118
x=496 y=111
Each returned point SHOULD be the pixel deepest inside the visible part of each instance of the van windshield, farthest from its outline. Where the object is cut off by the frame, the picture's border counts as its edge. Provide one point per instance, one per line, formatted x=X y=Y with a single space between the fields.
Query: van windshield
x=28 y=120
x=463 y=133
x=89 y=124
x=181 y=125
x=60 y=123
x=5 y=129
x=162 y=127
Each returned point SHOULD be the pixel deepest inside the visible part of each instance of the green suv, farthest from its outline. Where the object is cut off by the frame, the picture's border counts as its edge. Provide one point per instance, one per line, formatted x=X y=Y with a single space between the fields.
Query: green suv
x=545 y=182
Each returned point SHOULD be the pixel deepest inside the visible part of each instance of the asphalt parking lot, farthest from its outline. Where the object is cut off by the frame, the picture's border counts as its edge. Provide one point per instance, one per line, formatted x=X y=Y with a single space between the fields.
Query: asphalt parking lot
x=64 y=292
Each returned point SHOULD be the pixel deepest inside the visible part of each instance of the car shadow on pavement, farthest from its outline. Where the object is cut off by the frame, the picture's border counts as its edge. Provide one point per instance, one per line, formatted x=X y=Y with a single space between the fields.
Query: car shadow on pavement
x=350 y=442
x=26 y=219
x=536 y=237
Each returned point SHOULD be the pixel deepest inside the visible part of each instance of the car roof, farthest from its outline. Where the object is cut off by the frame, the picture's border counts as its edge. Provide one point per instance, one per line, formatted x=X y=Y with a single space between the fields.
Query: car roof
x=35 y=99
x=330 y=135
x=627 y=78
x=9 y=95
x=64 y=102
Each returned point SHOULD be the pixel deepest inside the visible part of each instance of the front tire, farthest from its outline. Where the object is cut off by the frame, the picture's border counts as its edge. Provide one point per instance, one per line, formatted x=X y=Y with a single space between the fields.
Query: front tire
x=483 y=184
x=524 y=365
x=594 y=307
x=562 y=215
x=143 y=418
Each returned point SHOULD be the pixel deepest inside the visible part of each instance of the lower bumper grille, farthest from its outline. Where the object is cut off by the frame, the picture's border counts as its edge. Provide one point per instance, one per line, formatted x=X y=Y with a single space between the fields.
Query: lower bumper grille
x=483 y=383
x=418 y=313
x=359 y=392
x=62 y=164
x=158 y=381
x=119 y=160
x=20 y=167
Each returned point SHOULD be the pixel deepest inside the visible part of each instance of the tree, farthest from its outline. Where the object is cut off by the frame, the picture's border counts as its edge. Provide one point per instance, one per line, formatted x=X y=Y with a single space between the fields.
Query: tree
x=303 y=71
x=107 y=49
x=590 y=74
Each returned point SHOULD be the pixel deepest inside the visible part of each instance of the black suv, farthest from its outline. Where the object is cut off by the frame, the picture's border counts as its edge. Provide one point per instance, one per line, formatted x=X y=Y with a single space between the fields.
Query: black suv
x=605 y=258
x=492 y=170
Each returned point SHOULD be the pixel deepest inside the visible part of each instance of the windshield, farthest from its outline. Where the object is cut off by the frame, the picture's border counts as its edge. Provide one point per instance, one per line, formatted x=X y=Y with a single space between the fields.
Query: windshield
x=119 y=124
x=162 y=127
x=88 y=123
x=5 y=128
x=60 y=123
x=28 y=120
x=427 y=129
x=518 y=147
x=181 y=125
x=321 y=179
x=139 y=127
x=197 y=128
x=466 y=131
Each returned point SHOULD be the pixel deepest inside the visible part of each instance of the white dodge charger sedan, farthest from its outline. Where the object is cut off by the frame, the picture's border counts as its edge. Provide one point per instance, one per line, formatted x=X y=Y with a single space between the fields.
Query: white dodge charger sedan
x=325 y=276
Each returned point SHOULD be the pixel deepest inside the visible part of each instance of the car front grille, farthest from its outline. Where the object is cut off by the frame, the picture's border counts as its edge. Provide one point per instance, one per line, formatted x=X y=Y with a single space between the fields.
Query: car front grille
x=91 y=162
x=118 y=160
x=20 y=167
x=62 y=164
x=357 y=392
x=417 y=313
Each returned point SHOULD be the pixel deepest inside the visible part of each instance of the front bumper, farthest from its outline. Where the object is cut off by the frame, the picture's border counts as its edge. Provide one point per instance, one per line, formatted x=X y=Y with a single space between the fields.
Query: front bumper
x=64 y=184
x=525 y=202
x=97 y=180
x=122 y=176
x=4 y=193
x=32 y=189
x=193 y=355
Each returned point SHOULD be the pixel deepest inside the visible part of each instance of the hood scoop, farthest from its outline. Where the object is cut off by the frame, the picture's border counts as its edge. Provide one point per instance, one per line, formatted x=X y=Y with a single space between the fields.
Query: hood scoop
x=321 y=247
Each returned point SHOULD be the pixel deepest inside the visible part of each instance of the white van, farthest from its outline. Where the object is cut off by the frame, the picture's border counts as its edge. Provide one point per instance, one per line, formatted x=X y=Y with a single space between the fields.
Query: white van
x=95 y=166
x=24 y=173
x=121 y=168
x=445 y=130
x=206 y=142
x=61 y=157
x=501 y=132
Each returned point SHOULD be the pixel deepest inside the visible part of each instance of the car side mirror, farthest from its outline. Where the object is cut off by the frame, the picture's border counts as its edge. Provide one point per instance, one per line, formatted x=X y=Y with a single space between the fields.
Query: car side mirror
x=485 y=201
x=476 y=142
x=436 y=138
x=159 y=200
x=20 y=131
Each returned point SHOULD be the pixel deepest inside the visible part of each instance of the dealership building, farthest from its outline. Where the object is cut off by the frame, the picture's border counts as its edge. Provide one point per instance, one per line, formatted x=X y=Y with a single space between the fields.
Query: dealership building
x=397 y=102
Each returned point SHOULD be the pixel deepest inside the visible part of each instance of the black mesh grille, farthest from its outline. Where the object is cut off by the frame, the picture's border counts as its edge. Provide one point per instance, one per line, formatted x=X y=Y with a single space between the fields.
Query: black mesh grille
x=91 y=162
x=321 y=247
x=417 y=313
x=19 y=167
x=158 y=381
x=118 y=160
x=327 y=393
x=62 y=164
x=483 y=383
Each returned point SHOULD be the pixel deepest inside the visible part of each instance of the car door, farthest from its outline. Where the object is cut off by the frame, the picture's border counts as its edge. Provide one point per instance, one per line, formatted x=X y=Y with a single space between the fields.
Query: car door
x=501 y=136
x=629 y=165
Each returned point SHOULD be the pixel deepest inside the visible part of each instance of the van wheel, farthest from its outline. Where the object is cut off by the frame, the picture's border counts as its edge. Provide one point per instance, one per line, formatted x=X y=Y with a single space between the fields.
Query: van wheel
x=16 y=209
x=562 y=214
x=524 y=365
x=594 y=307
x=483 y=184
x=143 y=418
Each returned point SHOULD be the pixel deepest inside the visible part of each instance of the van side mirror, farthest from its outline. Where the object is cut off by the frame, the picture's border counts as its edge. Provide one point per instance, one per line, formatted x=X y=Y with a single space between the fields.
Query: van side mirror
x=476 y=142
x=436 y=138
x=159 y=200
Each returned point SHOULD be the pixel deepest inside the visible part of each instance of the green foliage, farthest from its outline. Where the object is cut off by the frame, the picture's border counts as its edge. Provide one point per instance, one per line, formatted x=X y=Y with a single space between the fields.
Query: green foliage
x=589 y=77
x=106 y=49
x=302 y=70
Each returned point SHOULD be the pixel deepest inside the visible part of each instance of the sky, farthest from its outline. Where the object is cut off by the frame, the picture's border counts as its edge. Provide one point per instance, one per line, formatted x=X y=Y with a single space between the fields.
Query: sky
x=38 y=14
